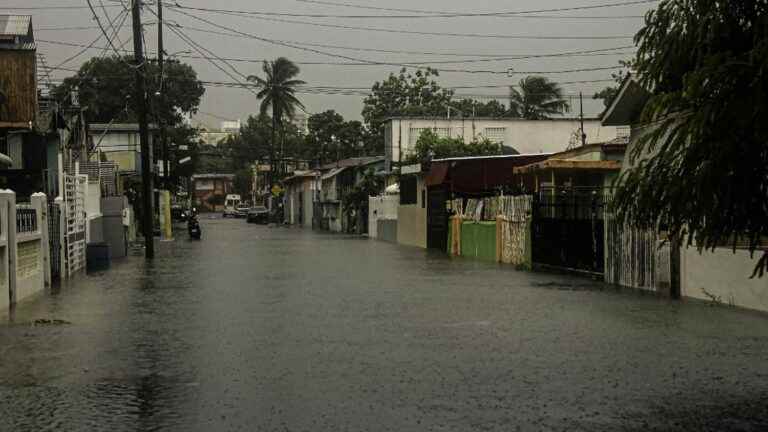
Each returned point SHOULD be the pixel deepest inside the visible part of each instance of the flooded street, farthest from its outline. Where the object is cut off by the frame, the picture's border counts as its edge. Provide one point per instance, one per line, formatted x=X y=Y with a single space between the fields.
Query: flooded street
x=276 y=329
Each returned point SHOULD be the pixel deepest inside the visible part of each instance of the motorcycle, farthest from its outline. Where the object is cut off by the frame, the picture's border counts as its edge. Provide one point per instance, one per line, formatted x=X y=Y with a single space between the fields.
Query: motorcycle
x=193 y=227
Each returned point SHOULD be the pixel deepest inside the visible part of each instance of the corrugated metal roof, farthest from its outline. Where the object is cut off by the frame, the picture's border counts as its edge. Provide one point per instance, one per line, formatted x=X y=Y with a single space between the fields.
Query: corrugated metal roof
x=15 y=25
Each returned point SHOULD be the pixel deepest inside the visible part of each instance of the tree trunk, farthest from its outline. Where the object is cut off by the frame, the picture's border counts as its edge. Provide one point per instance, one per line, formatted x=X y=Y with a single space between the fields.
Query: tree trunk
x=272 y=150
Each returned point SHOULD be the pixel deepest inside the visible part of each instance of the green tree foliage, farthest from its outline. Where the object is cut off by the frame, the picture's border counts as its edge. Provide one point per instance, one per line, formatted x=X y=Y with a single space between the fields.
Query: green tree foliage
x=609 y=93
x=471 y=107
x=331 y=138
x=277 y=92
x=431 y=146
x=243 y=182
x=404 y=94
x=357 y=198
x=106 y=87
x=178 y=137
x=536 y=98
x=701 y=167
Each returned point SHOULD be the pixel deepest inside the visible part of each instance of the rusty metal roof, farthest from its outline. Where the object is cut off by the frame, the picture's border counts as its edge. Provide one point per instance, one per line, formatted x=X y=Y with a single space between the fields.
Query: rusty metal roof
x=15 y=25
x=561 y=164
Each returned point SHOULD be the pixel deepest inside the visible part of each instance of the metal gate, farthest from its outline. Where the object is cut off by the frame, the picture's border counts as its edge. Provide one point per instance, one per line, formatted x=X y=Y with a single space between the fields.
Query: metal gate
x=54 y=238
x=437 y=219
x=75 y=218
x=637 y=258
x=568 y=230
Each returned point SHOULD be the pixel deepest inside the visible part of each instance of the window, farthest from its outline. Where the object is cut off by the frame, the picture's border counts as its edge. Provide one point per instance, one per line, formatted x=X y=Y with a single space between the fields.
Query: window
x=408 y=190
x=496 y=134
x=413 y=136
x=443 y=132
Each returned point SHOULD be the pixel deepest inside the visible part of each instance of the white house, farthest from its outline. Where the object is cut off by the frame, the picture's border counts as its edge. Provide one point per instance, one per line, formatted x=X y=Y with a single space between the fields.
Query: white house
x=524 y=136
x=119 y=142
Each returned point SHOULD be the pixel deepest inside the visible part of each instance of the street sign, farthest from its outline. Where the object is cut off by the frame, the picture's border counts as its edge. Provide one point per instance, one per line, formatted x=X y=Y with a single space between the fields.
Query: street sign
x=185 y=160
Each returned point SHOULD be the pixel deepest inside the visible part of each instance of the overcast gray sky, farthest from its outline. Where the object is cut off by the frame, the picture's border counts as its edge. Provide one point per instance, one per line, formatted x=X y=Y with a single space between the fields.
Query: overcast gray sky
x=238 y=103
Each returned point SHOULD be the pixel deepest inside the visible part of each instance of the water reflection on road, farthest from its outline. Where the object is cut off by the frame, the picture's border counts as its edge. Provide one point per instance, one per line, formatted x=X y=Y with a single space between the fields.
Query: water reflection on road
x=258 y=328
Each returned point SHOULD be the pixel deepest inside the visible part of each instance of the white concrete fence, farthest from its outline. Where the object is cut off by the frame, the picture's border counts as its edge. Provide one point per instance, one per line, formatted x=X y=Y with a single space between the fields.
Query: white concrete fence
x=24 y=248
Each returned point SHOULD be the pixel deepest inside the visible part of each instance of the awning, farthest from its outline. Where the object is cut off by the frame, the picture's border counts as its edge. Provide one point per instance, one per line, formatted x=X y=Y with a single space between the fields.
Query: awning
x=333 y=173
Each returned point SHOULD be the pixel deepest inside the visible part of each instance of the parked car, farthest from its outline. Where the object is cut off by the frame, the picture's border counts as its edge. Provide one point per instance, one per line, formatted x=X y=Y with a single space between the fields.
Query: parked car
x=241 y=211
x=258 y=214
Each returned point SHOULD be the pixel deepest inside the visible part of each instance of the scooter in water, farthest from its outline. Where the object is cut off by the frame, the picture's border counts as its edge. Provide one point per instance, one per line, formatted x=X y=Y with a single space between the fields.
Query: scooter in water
x=193 y=227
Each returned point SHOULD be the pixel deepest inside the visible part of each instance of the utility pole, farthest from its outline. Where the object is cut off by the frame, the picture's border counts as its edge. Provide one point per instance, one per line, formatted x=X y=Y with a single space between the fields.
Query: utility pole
x=161 y=102
x=147 y=173
x=581 y=117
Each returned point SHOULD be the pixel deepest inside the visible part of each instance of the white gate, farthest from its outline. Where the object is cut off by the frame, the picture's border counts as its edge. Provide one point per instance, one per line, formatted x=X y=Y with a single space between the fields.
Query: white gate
x=75 y=222
x=637 y=258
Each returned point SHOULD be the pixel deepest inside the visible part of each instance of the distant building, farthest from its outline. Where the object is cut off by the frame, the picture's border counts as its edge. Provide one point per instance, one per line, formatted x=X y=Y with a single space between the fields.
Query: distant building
x=524 y=136
x=232 y=127
x=214 y=137
x=209 y=191
x=120 y=143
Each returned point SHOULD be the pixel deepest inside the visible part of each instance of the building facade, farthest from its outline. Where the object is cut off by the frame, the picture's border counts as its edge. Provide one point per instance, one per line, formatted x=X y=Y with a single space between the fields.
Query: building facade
x=209 y=191
x=524 y=136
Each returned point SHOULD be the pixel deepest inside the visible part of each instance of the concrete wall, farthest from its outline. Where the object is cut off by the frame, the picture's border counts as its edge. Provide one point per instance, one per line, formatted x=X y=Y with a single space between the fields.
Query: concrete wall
x=526 y=136
x=724 y=275
x=412 y=226
x=387 y=230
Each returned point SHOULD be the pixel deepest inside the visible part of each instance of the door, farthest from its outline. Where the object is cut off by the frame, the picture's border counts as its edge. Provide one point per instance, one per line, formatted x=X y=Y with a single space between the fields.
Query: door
x=437 y=219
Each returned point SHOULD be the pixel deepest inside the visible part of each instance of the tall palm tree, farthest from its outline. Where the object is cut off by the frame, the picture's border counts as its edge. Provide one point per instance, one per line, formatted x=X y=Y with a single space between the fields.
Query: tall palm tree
x=277 y=94
x=537 y=98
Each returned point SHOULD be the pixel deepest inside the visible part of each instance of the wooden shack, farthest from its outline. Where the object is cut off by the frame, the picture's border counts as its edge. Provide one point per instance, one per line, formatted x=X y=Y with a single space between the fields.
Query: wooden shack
x=18 y=81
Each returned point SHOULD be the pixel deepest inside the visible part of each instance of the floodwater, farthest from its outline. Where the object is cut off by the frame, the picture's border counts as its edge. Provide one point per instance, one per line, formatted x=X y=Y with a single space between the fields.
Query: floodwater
x=276 y=329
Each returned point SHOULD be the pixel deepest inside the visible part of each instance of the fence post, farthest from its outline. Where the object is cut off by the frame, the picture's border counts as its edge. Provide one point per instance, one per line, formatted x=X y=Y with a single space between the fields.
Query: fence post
x=39 y=202
x=9 y=212
x=63 y=271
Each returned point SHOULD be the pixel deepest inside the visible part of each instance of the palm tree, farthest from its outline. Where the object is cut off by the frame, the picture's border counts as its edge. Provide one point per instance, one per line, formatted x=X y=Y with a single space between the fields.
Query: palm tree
x=537 y=98
x=277 y=94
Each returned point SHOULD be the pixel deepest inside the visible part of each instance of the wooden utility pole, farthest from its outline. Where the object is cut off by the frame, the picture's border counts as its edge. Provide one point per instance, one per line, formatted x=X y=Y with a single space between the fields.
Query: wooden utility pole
x=147 y=173
x=581 y=117
x=161 y=101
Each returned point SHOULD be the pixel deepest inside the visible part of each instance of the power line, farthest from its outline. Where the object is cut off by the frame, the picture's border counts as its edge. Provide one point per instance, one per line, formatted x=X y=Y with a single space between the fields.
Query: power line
x=427 y=14
x=101 y=27
x=585 y=53
x=49 y=7
x=123 y=14
x=415 y=32
x=449 y=14
x=355 y=59
x=369 y=49
x=200 y=50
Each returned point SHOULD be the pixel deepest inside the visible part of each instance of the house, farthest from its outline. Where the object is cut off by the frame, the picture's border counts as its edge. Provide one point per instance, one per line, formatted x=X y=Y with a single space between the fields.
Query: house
x=460 y=179
x=209 y=191
x=635 y=258
x=301 y=190
x=337 y=180
x=569 y=193
x=18 y=78
x=522 y=136
x=120 y=143
x=25 y=150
